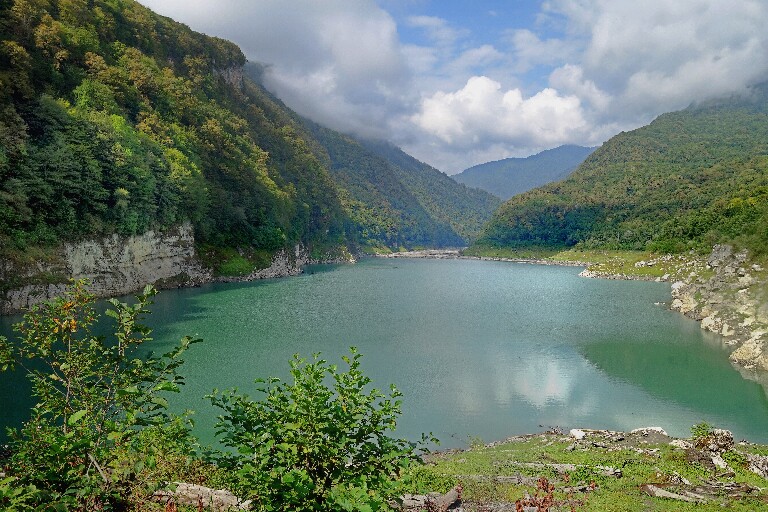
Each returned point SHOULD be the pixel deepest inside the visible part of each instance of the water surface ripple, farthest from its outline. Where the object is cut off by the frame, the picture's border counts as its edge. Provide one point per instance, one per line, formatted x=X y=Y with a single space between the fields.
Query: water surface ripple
x=479 y=349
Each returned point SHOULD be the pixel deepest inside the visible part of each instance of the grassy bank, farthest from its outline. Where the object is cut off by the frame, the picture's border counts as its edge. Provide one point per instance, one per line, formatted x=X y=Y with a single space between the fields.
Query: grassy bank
x=604 y=471
x=629 y=264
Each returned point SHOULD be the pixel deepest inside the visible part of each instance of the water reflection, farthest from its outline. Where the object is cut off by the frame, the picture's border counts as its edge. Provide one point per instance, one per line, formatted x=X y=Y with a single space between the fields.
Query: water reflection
x=478 y=348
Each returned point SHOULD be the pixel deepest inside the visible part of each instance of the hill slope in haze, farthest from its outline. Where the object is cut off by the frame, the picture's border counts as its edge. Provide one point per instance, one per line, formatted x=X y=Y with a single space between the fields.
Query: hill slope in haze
x=512 y=176
x=464 y=208
x=686 y=181
x=395 y=201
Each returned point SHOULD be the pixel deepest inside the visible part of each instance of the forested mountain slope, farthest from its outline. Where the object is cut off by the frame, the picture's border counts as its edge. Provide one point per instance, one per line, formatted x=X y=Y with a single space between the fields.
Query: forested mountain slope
x=394 y=200
x=464 y=208
x=114 y=119
x=689 y=179
x=511 y=176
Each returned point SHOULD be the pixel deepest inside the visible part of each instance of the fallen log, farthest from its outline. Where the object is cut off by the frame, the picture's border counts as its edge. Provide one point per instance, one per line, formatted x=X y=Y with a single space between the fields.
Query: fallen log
x=433 y=502
x=217 y=500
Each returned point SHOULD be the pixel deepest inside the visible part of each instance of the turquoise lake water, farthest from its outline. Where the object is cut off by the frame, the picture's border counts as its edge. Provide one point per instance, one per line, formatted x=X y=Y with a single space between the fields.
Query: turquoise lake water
x=479 y=349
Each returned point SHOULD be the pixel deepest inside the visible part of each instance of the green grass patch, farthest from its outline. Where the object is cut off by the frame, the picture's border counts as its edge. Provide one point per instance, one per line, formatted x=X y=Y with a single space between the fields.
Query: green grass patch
x=532 y=252
x=487 y=473
x=230 y=262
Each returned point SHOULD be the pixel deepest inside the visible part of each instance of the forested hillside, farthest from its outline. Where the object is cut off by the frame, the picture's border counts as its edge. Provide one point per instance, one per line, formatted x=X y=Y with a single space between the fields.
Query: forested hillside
x=396 y=201
x=511 y=176
x=464 y=208
x=114 y=119
x=689 y=179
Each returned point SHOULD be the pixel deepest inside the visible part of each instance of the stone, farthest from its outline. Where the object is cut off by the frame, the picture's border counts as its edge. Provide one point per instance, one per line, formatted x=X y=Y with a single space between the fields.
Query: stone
x=577 y=433
x=751 y=354
x=682 y=444
x=114 y=265
x=646 y=430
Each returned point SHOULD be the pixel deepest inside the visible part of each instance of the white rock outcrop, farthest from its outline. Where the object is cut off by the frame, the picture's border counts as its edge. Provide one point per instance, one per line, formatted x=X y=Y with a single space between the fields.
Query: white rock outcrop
x=113 y=265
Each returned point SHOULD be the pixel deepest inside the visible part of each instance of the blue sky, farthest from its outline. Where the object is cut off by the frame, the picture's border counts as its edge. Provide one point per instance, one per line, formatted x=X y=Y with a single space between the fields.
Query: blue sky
x=457 y=83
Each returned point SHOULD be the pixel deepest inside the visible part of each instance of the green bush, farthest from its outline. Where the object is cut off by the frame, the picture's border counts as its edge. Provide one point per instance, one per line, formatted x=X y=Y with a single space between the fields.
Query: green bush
x=319 y=443
x=93 y=395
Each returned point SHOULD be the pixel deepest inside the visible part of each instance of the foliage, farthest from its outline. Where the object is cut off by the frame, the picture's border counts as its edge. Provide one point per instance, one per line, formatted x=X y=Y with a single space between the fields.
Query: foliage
x=319 y=443
x=92 y=394
x=688 y=180
x=463 y=208
x=492 y=474
x=396 y=201
x=116 y=120
x=700 y=431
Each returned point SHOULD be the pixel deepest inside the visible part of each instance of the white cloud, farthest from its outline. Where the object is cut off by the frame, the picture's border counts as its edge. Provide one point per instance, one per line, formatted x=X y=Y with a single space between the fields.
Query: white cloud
x=656 y=55
x=337 y=62
x=482 y=114
x=438 y=30
x=570 y=78
x=530 y=50
x=585 y=70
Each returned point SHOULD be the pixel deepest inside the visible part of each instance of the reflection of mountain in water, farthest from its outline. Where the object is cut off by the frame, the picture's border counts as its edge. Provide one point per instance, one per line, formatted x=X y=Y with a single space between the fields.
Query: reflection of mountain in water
x=694 y=377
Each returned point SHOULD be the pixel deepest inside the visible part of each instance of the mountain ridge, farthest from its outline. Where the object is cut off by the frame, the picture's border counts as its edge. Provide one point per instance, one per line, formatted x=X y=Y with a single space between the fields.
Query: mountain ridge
x=511 y=176
x=688 y=180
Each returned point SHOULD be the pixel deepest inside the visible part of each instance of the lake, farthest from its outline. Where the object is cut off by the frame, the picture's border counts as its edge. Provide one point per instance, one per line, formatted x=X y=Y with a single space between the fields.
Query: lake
x=480 y=349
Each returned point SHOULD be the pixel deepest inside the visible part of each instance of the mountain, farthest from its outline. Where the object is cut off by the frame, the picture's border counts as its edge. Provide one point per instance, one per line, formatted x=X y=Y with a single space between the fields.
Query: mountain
x=512 y=176
x=115 y=120
x=397 y=201
x=463 y=209
x=688 y=180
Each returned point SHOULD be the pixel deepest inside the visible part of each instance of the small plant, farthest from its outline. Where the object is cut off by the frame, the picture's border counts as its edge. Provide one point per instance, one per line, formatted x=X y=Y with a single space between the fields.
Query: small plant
x=544 y=498
x=320 y=443
x=700 y=431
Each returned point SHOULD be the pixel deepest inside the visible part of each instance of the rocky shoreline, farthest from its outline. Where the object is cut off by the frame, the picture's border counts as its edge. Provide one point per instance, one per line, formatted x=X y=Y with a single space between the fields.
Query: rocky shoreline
x=729 y=298
x=115 y=266
x=455 y=254
x=724 y=292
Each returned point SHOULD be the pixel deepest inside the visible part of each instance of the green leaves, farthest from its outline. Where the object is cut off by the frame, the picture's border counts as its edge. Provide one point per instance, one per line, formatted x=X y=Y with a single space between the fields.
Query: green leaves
x=76 y=417
x=92 y=394
x=321 y=442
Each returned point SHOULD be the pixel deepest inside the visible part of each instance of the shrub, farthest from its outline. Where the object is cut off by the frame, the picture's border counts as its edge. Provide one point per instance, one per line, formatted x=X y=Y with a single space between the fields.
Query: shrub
x=319 y=443
x=93 y=395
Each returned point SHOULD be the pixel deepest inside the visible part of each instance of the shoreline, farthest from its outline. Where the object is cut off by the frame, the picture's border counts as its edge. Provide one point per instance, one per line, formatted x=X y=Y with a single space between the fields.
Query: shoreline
x=715 y=291
x=455 y=254
x=722 y=292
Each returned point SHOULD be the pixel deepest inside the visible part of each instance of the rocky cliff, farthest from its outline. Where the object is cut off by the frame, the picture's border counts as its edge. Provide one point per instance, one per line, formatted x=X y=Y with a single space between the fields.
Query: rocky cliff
x=117 y=265
x=729 y=297
x=114 y=265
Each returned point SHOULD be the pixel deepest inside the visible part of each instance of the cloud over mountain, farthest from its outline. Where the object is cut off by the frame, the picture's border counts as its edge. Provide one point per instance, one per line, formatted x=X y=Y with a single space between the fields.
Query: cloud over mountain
x=455 y=95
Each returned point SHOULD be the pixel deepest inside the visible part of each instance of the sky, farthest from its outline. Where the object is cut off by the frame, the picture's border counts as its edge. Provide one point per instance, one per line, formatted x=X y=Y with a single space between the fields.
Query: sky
x=457 y=83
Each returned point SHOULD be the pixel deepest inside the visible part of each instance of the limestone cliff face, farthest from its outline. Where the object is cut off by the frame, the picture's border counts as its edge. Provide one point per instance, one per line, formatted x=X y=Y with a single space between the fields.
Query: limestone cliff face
x=117 y=265
x=730 y=299
x=114 y=265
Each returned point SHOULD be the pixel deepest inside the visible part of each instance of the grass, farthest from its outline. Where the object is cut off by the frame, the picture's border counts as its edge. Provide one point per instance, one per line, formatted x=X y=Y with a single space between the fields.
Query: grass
x=651 y=460
x=230 y=262
x=632 y=264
